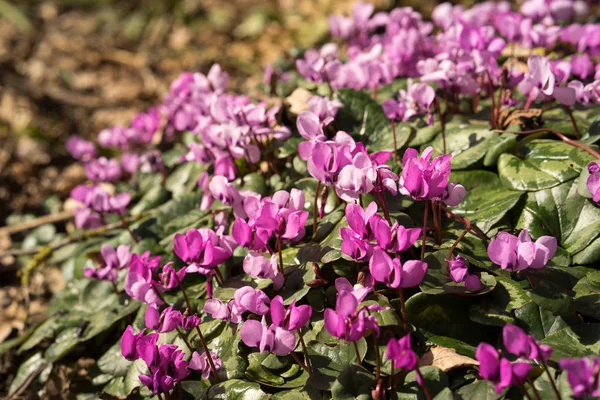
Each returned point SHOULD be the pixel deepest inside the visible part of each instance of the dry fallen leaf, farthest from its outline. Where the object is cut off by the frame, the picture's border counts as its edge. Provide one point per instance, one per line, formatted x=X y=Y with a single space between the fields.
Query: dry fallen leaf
x=298 y=100
x=446 y=359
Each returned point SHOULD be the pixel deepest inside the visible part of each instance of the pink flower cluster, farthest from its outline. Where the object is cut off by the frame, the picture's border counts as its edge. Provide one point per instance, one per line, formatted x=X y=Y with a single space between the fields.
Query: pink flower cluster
x=95 y=202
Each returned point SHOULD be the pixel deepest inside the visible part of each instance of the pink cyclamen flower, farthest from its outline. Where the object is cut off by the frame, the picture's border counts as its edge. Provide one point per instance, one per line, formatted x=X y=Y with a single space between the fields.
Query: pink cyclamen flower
x=114 y=261
x=593 y=181
x=393 y=273
x=356 y=178
x=229 y=311
x=295 y=317
x=422 y=178
x=394 y=239
x=520 y=344
x=459 y=271
x=401 y=353
x=272 y=338
x=583 y=375
x=103 y=169
x=499 y=371
x=517 y=253
x=347 y=322
x=169 y=278
x=540 y=83
x=202 y=249
x=253 y=300
x=259 y=266
x=454 y=194
x=80 y=148
x=199 y=362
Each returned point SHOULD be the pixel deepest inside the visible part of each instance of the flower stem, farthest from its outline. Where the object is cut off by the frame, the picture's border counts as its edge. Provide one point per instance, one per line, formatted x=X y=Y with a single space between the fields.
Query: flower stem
x=436 y=221
x=395 y=144
x=378 y=368
x=570 y=112
x=305 y=351
x=424 y=230
x=460 y=237
x=474 y=228
x=545 y=365
x=423 y=385
x=315 y=207
x=219 y=277
x=535 y=391
x=187 y=343
x=392 y=374
x=280 y=253
x=357 y=353
x=300 y=363
x=524 y=391
x=403 y=307
x=200 y=335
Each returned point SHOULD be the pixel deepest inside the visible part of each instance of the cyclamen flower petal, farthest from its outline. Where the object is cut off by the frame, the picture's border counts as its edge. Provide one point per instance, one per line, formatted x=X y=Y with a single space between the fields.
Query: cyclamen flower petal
x=401 y=353
x=252 y=300
x=199 y=362
x=515 y=254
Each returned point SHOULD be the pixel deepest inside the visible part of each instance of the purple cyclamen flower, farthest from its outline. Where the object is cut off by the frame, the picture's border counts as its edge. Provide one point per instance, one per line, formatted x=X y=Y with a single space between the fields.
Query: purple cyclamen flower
x=517 y=253
x=582 y=374
x=114 y=261
x=348 y=323
x=416 y=100
x=167 y=367
x=394 y=239
x=520 y=344
x=422 y=178
x=139 y=283
x=259 y=266
x=295 y=317
x=593 y=181
x=80 y=148
x=166 y=321
x=268 y=338
x=202 y=249
x=501 y=372
x=401 y=353
x=169 y=278
x=393 y=273
x=360 y=291
x=199 y=362
x=459 y=271
x=132 y=345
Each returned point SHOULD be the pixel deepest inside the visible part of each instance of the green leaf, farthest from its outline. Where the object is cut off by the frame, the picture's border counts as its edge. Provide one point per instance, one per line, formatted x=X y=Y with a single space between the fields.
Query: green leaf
x=487 y=202
x=541 y=164
x=354 y=382
x=258 y=373
x=445 y=315
x=538 y=321
x=236 y=389
x=435 y=379
x=467 y=144
x=577 y=341
x=156 y=196
x=509 y=294
x=363 y=118
x=112 y=362
x=329 y=361
x=35 y=365
x=480 y=390
x=552 y=299
x=184 y=179
x=587 y=295
x=562 y=213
